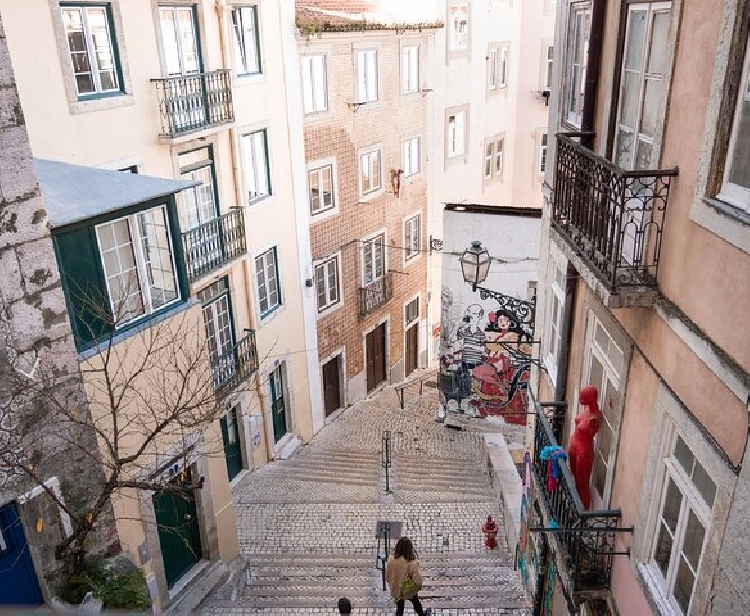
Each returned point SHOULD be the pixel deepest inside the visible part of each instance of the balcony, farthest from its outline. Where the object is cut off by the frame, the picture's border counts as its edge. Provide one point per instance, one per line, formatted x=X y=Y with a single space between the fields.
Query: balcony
x=375 y=294
x=214 y=243
x=612 y=221
x=188 y=103
x=585 y=540
x=236 y=365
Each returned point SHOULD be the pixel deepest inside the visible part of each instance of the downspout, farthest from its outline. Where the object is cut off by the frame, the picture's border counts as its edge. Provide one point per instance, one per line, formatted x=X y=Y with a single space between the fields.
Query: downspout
x=566 y=335
x=593 y=65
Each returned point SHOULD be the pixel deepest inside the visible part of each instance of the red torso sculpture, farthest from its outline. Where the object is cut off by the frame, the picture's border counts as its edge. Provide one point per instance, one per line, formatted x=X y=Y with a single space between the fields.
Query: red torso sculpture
x=581 y=449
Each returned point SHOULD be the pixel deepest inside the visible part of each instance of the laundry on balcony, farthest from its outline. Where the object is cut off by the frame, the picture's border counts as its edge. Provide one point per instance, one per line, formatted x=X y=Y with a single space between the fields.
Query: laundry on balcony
x=553 y=454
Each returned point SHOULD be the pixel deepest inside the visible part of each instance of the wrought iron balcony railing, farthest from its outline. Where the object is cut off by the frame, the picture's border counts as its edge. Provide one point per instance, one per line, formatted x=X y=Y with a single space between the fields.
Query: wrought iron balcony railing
x=375 y=294
x=192 y=102
x=236 y=365
x=587 y=538
x=214 y=243
x=613 y=218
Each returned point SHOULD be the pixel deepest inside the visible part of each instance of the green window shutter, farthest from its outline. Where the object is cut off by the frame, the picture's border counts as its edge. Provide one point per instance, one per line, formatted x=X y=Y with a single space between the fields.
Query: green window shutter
x=82 y=281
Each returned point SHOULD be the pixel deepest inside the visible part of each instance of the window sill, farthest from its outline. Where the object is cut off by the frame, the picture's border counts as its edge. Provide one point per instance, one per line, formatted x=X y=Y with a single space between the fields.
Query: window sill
x=371 y=195
x=727 y=221
x=259 y=200
x=323 y=215
x=653 y=593
x=247 y=79
x=317 y=116
x=329 y=310
x=412 y=259
x=101 y=102
x=271 y=314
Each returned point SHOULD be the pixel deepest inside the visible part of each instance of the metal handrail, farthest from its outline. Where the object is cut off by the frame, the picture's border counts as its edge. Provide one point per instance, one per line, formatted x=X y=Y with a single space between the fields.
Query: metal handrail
x=237 y=364
x=214 y=243
x=375 y=294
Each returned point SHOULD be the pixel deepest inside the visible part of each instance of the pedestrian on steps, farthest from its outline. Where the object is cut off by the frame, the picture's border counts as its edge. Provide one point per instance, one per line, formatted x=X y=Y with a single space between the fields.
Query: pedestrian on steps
x=404 y=577
x=345 y=606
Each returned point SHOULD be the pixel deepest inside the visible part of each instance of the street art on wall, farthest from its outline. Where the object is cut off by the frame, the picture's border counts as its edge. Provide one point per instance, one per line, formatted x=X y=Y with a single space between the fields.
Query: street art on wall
x=484 y=367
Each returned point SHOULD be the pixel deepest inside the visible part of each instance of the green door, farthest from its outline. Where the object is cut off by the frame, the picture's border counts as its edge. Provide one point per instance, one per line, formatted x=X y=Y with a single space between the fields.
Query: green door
x=278 y=408
x=232 y=451
x=179 y=533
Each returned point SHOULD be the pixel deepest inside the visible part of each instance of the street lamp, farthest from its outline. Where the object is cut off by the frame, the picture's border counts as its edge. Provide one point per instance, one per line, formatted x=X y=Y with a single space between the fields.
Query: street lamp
x=475 y=264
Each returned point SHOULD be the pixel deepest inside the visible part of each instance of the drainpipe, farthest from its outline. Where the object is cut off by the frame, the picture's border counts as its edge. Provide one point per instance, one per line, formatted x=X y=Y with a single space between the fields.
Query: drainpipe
x=566 y=335
x=593 y=64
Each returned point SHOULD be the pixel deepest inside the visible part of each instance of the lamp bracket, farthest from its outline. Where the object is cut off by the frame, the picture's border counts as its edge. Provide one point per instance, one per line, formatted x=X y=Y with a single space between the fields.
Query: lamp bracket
x=523 y=311
x=436 y=245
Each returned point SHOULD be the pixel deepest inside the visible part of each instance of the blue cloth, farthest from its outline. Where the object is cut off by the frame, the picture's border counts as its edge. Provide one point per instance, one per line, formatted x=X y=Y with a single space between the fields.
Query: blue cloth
x=555 y=459
x=546 y=452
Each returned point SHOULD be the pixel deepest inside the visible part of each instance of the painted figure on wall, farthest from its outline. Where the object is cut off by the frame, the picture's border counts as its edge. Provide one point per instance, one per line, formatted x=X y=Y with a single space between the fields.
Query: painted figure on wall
x=484 y=367
x=581 y=449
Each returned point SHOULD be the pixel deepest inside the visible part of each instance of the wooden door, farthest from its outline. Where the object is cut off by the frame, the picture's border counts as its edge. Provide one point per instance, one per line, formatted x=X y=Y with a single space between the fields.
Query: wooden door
x=375 y=357
x=278 y=406
x=412 y=349
x=18 y=580
x=332 y=385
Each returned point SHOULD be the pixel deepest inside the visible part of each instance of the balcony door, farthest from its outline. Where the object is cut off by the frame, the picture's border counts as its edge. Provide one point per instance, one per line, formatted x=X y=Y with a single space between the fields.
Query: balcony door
x=217 y=319
x=640 y=116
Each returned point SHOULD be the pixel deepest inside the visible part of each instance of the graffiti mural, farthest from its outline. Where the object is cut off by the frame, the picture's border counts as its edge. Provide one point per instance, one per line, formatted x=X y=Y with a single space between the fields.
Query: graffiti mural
x=484 y=370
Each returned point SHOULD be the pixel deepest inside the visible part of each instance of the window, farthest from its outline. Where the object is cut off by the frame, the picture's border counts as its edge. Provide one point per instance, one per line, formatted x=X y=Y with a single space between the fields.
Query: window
x=502 y=68
x=314 y=83
x=412 y=237
x=492 y=70
x=138 y=262
x=180 y=40
x=369 y=172
x=373 y=259
x=257 y=175
x=542 y=153
x=327 y=283
x=579 y=28
x=411 y=311
x=604 y=364
x=456 y=134
x=556 y=282
x=367 y=76
x=410 y=69
x=497 y=66
x=547 y=67
x=320 y=185
x=644 y=67
x=246 y=40
x=682 y=526
x=458 y=27
x=267 y=277
x=736 y=188
x=198 y=204
x=494 y=150
x=217 y=319
x=92 y=49
x=412 y=156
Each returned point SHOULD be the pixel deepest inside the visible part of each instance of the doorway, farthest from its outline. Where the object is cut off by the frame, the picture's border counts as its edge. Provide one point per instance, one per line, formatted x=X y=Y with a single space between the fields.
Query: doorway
x=278 y=404
x=179 y=532
x=232 y=448
x=375 y=345
x=18 y=581
x=332 y=385
x=412 y=349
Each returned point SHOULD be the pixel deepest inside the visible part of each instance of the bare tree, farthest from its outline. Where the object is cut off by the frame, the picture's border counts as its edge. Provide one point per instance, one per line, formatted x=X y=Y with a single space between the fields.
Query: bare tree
x=130 y=405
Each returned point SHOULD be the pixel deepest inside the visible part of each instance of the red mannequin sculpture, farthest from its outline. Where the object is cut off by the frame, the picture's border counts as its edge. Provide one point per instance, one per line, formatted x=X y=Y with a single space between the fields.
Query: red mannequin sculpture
x=581 y=449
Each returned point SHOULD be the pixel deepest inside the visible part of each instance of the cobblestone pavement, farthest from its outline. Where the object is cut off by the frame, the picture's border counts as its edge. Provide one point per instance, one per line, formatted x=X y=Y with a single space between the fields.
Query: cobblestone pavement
x=307 y=524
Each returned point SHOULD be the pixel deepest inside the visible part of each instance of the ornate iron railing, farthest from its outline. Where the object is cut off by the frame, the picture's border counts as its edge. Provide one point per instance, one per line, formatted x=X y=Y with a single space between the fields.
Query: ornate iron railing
x=237 y=364
x=375 y=294
x=586 y=537
x=612 y=217
x=214 y=243
x=192 y=102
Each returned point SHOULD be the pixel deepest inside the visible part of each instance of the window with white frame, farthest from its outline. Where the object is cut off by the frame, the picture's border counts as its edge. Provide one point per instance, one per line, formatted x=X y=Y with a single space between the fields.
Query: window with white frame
x=246 y=40
x=556 y=278
x=644 y=68
x=314 y=83
x=370 y=172
x=458 y=27
x=92 y=49
x=267 y=278
x=542 y=153
x=411 y=312
x=494 y=152
x=603 y=368
x=138 y=261
x=492 y=68
x=456 y=134
x=179 y=36
x=217 y=320
x=367 y=76
x=257 y=173
x=320 y=187
x=412 y=236
x=736 y=187
x=412 y=156
x=327 y=283
x=684 y=518
x=410 y=69
x=373 y=259
x=502 y=66
x=576 y=56
x=499 y=156
x=547 y=66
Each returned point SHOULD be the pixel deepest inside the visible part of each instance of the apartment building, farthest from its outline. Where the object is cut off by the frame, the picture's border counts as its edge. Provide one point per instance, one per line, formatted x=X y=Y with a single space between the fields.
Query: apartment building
x=189 y=91
x=646 y=263
x=366 y=143
x=491 y=84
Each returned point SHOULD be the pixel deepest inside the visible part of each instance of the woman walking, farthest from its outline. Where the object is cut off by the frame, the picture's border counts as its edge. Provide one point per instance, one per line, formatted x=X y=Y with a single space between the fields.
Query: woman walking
x=404 y=577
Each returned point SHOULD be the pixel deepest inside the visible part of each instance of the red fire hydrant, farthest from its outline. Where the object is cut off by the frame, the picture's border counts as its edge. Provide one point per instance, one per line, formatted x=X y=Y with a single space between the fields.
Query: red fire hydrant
x=490 y=530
